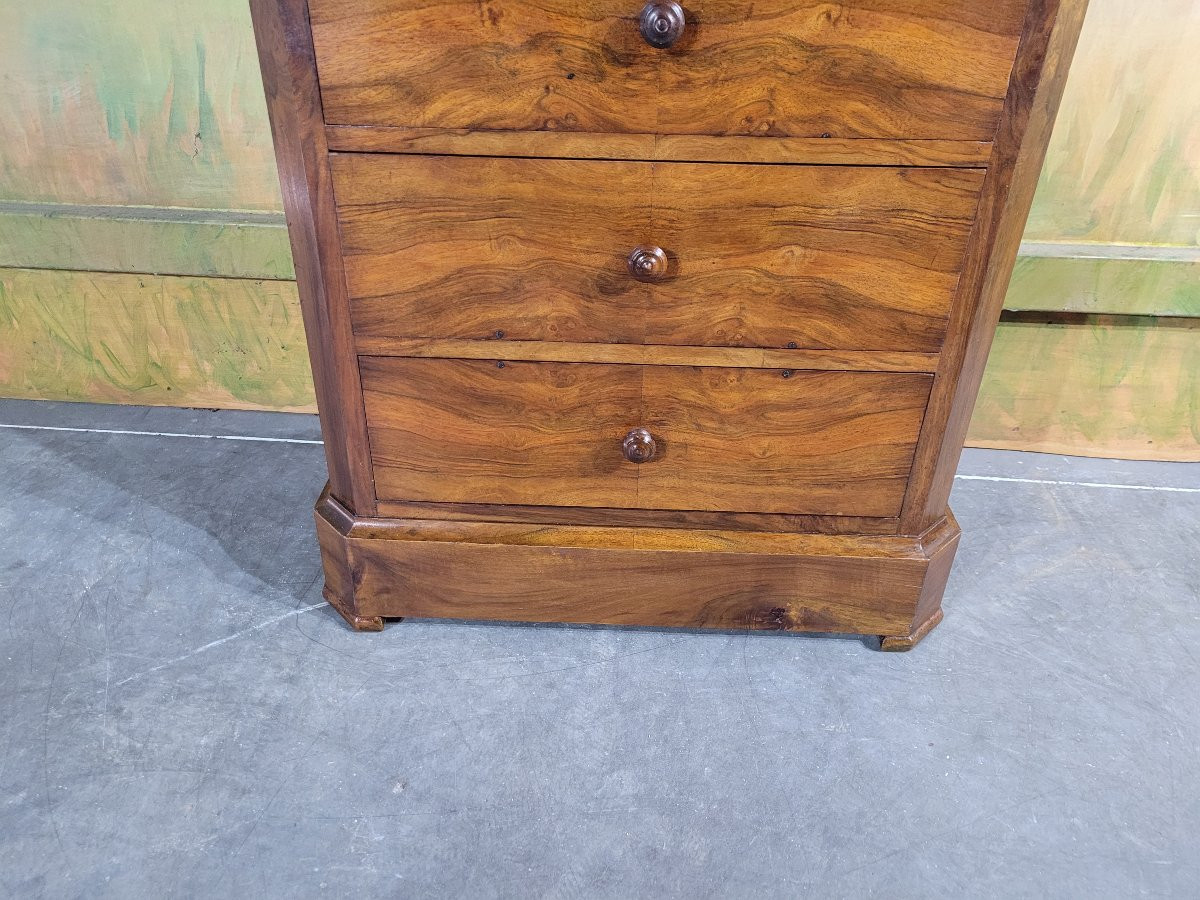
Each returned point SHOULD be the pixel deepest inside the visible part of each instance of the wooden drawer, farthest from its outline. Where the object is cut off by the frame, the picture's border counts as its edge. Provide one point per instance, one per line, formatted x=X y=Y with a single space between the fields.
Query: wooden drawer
x=757 y=256
x=863 y=68
x=551 y=434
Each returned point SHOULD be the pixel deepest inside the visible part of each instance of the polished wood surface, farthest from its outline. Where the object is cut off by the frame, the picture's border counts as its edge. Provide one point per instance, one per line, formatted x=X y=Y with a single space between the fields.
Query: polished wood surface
x=333 y=523
x=1039 y=75
x=652 y=354
x=738 y=440
x=680 y=335
x=615 y=537
x=868 y=68
x=754 y=256
x=900 y=643
x=663 y=147
x=638 y=576
x=638 y=518
x=281 y=30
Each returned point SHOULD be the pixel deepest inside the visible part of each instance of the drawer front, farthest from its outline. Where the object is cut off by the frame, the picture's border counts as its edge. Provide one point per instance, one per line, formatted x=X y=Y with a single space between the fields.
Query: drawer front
x=558 y=434
x=862 y=68
x=753 y=256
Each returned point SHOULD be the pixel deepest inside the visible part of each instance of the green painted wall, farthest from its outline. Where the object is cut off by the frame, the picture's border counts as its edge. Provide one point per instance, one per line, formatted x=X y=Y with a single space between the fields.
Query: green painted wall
x=1114 y=231
x=134 y=142
x=129 y=102
x=163 y=340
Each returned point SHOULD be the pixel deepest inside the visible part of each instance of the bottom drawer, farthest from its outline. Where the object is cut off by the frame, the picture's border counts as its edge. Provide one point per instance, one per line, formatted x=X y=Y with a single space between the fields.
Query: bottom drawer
x=555 y=434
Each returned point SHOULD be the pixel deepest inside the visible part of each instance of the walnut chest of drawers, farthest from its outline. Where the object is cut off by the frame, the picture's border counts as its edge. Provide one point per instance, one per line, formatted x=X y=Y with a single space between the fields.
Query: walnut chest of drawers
x=653 y=315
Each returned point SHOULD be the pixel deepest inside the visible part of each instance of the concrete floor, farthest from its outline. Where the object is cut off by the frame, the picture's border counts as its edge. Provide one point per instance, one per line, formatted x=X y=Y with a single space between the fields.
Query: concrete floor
x=181 y=715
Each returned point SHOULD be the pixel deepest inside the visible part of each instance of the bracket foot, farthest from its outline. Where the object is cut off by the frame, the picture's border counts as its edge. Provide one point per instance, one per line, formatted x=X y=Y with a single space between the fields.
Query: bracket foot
x=358 y=623
x=903 y=643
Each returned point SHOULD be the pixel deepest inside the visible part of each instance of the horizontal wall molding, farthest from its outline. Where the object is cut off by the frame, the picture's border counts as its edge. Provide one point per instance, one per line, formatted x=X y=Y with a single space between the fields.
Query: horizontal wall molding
x=1114 y=285
x=1089 y=250
x=143 y=213
x=1098 y=320
x=145 y=240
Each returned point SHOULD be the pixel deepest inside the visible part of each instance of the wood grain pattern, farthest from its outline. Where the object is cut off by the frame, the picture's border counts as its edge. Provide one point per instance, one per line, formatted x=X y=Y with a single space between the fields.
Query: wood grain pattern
x=652 y=354
x=700 y=540
x=1039 y=73
x=827 y=263
x=940 y=544
x=281 y=30
x=761 y=256
x=801 y=68
x=333 y=523
x=740 y=440
x=691 y=579
x=597 y=586
x=1122 y=167
x=902 y=643
x=637 y=518
x=664 y=147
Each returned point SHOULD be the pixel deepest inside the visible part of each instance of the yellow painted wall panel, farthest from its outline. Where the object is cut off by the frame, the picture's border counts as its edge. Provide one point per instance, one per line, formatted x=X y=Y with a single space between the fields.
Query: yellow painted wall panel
x=156 y=340
x=1123 y=166
x=1107 y=388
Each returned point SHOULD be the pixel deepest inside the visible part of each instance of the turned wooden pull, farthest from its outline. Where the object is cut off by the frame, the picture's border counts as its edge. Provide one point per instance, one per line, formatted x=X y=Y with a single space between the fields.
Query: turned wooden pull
x=661 y=23
x=647 y=263
x=638 y=446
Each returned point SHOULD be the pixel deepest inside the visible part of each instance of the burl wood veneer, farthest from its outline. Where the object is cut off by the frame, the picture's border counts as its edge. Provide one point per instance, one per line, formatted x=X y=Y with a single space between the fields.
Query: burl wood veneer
x=653 y=315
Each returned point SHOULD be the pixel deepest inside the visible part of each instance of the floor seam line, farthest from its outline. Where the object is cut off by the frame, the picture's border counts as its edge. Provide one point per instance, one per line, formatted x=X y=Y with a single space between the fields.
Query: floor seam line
x=1093 y=484
x=173 y=434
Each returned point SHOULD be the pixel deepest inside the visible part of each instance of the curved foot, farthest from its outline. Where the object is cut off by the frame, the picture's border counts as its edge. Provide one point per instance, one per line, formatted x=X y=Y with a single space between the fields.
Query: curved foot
x=901 y=643
x=358 y=623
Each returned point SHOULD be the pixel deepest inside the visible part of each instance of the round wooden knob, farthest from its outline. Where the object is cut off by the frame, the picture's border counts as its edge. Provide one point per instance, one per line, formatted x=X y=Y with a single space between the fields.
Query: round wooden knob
x=661 y=23
x=638 y=446
x=648 y=263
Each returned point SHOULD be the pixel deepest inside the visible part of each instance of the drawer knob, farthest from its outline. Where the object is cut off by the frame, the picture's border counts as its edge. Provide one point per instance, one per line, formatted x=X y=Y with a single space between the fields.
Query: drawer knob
x=638 y=446
x=661 y=23
x=647 y=263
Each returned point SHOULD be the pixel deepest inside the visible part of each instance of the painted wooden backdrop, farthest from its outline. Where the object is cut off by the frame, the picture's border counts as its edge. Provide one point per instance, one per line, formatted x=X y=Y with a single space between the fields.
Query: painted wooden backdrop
x=1101 y=350
x=144 y=258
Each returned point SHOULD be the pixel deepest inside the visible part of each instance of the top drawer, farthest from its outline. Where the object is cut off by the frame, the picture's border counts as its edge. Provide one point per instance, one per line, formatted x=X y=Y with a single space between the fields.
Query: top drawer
x=895 y=69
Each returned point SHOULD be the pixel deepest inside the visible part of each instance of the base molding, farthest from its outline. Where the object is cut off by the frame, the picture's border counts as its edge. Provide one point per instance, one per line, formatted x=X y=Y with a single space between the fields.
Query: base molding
x=890 y=586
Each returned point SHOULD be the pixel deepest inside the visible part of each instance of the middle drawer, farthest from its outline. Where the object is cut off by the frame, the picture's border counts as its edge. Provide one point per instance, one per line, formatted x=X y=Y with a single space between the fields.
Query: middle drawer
x=691 y=254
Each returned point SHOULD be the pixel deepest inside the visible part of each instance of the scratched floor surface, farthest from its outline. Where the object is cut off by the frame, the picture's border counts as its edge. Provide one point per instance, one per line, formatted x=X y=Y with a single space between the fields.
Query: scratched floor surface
x=181 y=716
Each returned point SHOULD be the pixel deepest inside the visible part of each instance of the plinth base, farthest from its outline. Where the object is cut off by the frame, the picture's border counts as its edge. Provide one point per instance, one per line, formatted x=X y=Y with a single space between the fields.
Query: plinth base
x=890 y=586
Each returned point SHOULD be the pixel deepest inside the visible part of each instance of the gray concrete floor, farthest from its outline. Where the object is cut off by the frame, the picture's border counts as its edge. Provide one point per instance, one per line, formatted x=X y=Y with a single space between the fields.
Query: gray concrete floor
x=182 y=716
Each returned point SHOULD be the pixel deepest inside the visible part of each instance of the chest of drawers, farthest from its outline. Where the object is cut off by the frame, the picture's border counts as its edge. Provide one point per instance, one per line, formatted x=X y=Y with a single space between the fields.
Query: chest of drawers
x=664 y=315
